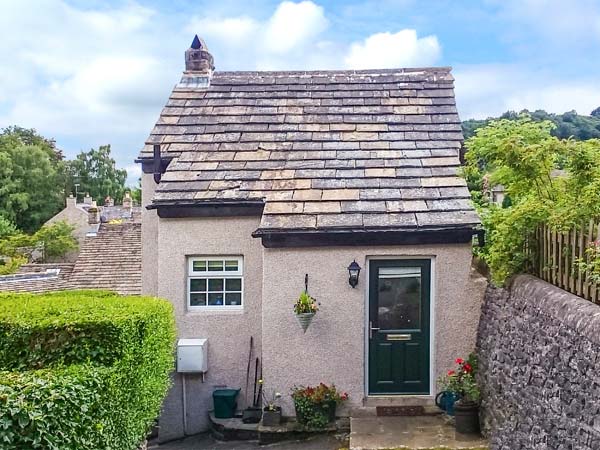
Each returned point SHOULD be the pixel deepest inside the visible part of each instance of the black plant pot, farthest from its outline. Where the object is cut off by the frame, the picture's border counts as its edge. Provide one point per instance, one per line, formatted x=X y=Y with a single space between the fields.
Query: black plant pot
x=252 y=415
x=271 y=418
x=467 y=417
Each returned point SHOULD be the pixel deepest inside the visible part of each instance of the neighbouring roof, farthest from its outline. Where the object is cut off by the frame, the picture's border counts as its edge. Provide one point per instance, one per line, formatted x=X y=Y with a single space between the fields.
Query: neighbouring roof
x=324 y=151
x=110 y=259
x=37 y=278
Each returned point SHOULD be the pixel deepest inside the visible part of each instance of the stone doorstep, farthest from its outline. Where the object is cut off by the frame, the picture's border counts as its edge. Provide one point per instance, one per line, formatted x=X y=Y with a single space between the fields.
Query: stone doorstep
x=398 y=400
x=235 y=430
x=410 y=433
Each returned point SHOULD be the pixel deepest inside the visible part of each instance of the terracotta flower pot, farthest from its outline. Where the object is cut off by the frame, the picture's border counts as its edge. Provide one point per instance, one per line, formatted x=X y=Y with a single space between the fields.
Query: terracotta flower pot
x=305 y=319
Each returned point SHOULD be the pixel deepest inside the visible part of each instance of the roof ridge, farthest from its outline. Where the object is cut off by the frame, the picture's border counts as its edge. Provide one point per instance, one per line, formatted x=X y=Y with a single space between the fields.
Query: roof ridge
x=399 y=70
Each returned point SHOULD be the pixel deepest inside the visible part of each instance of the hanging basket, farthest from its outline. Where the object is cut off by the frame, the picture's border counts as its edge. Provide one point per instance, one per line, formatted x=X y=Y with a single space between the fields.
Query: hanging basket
x=305 y=319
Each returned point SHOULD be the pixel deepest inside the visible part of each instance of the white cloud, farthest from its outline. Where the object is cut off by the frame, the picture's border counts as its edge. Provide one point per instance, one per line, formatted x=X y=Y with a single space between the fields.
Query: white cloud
x=293 y=25
x=85 y=77
x=489 y=90
x=389 y=50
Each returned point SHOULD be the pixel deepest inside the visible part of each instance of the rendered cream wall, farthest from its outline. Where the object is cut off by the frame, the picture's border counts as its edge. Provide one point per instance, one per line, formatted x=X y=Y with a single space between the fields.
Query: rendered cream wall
x=333 y=348
x=149 y=237
x=228 y=333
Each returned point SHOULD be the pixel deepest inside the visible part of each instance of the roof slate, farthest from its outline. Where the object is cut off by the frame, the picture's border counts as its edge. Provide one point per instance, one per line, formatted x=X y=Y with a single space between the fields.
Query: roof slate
x=324 y=150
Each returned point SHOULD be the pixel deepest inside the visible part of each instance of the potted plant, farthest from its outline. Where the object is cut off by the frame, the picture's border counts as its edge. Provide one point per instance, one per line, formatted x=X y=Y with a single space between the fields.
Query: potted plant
x=462 y=382
x=305 y=308
x=316 y=406
x=271 y=411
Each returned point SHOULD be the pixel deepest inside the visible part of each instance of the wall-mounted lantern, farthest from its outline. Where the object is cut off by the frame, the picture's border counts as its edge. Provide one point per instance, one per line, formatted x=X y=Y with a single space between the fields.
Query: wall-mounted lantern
x=354 y=271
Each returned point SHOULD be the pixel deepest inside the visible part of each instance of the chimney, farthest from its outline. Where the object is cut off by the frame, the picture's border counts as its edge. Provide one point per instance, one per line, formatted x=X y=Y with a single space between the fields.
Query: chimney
x=87 y=200
x=93 y=214
x=108 y=201
x=127 y=200
x=199 y=65
x=71 y=201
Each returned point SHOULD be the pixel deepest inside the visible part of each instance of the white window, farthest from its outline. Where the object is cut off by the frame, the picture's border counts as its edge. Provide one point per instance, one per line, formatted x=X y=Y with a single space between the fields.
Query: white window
x=215 y=282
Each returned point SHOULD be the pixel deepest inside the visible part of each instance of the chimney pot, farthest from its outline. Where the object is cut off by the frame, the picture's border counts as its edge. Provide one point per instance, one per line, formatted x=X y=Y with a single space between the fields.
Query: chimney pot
x=127 y=200
x=198 y=58
x=93 y=213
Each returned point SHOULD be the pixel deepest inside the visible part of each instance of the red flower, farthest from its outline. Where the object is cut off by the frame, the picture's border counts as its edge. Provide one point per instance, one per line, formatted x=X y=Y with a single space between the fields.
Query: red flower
x=459 y=361
x=451 y=372
x=467 y=367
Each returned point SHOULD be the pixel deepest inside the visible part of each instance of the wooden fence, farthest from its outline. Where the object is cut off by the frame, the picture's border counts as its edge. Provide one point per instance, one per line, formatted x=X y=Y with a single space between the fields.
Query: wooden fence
x=555 y=255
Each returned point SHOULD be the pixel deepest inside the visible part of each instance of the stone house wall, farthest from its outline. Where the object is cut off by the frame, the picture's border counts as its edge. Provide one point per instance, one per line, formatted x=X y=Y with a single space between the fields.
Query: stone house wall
x=539 y=356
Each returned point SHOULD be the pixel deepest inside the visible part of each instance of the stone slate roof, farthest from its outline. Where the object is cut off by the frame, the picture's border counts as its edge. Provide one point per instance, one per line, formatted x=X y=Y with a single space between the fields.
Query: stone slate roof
x=112 y=260
x=329 y=150
x=37 y=278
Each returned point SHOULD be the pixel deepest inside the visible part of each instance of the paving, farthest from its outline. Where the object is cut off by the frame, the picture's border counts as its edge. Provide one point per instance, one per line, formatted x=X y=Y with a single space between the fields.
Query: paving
x=206 y=442
x=405 y=432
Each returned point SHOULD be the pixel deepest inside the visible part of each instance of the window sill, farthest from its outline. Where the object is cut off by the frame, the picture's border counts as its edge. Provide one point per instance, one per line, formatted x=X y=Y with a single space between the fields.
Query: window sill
x=212 y=311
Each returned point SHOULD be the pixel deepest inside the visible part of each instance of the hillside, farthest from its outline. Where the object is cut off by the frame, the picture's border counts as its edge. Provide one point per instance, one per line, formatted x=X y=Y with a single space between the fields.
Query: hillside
x=569 y=124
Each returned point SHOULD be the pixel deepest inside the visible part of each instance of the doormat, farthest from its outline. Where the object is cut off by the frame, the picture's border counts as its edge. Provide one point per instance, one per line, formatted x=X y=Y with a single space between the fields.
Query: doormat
x=400 y=411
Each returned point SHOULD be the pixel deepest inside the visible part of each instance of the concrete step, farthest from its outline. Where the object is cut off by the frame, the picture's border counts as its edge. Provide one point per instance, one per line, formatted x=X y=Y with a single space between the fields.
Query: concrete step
x=399 y=400
x=408 y=433
x=403 y=410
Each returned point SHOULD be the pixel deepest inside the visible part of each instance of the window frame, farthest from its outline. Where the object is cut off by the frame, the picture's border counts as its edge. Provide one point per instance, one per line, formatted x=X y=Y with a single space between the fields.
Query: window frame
x=207 y=275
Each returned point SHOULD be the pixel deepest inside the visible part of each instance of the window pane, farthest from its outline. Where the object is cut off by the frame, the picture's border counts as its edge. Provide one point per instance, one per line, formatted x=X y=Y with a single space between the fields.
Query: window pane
x=199 y=266
x=215 y=284
x=215 y=266
x=231 y=266
x=197 y=299
x=197 y=284
x=215 y=298
x=233 y=299
x=399 y=291
x=233 y=284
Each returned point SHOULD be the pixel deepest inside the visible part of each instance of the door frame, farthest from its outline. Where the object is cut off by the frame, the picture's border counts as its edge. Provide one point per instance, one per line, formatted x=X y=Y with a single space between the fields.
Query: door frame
x=432 y=303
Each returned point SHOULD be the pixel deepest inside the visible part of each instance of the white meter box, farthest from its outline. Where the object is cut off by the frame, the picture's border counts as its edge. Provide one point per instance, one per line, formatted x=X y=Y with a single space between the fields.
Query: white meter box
x=192 y=355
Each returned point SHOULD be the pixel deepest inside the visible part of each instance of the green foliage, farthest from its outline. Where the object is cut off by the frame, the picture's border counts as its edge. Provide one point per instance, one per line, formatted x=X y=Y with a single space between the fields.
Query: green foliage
x=567 y=125
x=462 y=380
x=32 y=178
x=305 y=304
x=7 y=228
x=97 y=174
x=136 y=193
x=315 y=406
x=523 y=156
x=82 y=369
x=54 y=240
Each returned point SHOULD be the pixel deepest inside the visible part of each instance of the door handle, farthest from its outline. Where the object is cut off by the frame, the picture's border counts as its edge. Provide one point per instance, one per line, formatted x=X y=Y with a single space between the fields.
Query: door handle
x=371 y=329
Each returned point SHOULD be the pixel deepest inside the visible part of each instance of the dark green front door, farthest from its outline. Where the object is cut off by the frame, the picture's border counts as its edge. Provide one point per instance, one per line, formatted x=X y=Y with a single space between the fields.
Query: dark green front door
x=399 y=298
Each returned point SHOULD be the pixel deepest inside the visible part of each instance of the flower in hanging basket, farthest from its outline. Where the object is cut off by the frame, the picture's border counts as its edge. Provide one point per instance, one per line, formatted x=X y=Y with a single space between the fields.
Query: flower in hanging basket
x=305 y=309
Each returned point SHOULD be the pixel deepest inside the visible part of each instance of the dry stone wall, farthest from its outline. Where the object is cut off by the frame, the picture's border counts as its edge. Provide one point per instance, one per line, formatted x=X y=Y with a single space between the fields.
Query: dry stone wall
x=539 y=350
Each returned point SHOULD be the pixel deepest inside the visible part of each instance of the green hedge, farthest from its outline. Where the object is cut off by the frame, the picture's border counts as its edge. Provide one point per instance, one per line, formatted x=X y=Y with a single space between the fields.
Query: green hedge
x=82 y=369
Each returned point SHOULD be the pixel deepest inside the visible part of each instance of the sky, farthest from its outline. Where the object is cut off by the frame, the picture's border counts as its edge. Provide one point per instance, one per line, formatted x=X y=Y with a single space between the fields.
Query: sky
x=89 y=73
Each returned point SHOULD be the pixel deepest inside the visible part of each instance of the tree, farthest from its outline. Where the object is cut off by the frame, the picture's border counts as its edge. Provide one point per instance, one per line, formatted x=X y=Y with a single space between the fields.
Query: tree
x=567 y=125
x=136 y=193
x=16 y=248
x=7 y=228
x=522 y=155
x=97 y=174
x=32 y=178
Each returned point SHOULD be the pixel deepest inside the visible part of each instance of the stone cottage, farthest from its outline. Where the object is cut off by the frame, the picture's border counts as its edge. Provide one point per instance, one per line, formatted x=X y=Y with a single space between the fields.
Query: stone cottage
x=253 y=180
